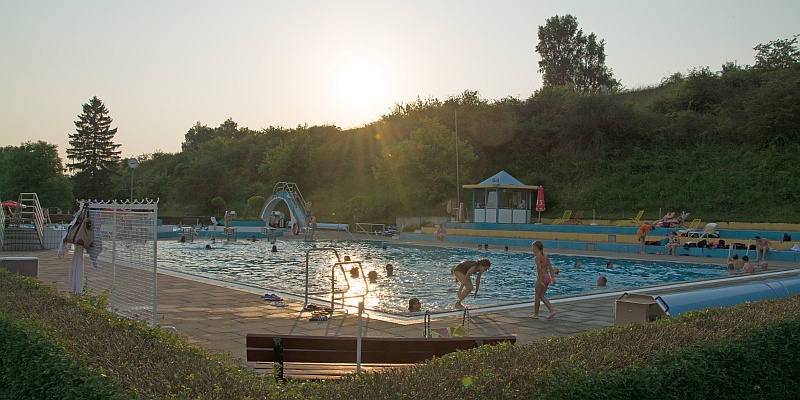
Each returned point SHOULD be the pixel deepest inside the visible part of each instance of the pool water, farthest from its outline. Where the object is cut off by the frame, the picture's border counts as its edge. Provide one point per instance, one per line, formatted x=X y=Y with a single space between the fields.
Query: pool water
x=419 y=271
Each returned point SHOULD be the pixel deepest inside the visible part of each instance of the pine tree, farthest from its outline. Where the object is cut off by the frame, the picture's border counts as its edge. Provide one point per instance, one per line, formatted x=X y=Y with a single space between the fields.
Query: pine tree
x=93 y=155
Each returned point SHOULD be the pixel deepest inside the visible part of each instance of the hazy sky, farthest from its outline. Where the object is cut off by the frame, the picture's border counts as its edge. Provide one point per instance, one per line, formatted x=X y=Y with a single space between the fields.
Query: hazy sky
x=160 y=66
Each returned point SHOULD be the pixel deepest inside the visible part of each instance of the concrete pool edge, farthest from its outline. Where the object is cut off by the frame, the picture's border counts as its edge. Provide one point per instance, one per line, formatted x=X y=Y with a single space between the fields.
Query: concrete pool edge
x=417 y=317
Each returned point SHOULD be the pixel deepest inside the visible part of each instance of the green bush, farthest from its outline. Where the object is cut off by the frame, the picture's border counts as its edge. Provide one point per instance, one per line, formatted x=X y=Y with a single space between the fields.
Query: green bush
x=410 y=228
x=747 y=351
x=150 y=363
x=32 y=367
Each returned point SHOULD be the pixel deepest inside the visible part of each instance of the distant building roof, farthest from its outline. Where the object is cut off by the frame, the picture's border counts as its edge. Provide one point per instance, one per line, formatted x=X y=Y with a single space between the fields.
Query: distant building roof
x=501 y=179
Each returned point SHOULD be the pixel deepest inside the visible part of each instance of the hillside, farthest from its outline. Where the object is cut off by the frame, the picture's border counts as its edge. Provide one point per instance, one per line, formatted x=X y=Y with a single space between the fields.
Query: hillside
x=723 y=146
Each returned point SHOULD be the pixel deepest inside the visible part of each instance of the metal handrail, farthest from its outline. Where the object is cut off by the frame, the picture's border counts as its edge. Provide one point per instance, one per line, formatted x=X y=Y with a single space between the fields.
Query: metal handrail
x=340 y=264
x=38 y=215
x=2 y=228
x=360 y=228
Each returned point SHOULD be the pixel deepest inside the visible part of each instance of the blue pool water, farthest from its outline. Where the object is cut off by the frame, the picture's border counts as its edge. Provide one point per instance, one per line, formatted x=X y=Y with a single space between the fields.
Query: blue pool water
x=419 y=271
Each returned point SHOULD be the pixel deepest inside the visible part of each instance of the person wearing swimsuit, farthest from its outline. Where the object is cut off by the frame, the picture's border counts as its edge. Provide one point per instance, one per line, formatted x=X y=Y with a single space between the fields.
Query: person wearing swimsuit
x=544 y=277
x=463 y=273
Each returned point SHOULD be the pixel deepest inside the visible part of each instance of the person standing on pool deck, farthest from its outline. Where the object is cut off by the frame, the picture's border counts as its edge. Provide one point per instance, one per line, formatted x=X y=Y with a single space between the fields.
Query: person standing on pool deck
x=543 y=278
x=641 y=235
x=463 y=273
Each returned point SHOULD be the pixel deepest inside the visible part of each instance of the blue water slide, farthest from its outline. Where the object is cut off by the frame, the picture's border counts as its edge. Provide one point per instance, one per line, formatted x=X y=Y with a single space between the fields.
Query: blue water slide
x=677 y=303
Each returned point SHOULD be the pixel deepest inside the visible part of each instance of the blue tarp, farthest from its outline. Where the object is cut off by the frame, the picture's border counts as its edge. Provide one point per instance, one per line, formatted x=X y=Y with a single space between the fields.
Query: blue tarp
x=677 y=303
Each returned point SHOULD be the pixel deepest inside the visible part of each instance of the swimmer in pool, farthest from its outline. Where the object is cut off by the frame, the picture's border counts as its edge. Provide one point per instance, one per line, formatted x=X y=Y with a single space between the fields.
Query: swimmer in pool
x=747 y=268
x=414 y=304
x=463 y=273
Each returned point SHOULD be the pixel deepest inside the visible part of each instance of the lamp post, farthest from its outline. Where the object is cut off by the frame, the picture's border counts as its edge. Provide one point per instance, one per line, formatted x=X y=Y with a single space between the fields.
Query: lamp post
x=458 y=180
x=132 y=163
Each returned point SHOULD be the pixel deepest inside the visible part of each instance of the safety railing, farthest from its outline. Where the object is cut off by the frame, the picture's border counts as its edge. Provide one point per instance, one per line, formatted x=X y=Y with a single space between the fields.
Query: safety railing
x=339 y=264
x=31 y=207
x=2 y=227
x=375 y=232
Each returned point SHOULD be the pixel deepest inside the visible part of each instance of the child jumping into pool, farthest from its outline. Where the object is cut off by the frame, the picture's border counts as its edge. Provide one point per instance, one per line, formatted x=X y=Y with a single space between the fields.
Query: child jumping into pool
x=544 y=277
x=463 y=273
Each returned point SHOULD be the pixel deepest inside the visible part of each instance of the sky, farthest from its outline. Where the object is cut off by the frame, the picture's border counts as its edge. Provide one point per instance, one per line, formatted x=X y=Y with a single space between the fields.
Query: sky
x=162 y=66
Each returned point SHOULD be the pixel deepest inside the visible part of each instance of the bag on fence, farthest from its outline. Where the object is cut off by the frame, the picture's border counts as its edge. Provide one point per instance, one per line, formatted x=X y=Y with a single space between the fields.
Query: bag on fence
x=739 y=246
x=80 y=232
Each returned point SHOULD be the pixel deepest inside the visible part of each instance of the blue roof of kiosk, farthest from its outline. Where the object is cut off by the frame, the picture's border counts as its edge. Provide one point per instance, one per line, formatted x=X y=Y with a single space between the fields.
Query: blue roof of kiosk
x=501 y=179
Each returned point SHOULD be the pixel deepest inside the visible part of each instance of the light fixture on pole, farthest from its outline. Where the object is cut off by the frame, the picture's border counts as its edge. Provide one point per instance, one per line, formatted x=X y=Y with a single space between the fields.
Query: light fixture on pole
x=132 y=163
x=458 y=180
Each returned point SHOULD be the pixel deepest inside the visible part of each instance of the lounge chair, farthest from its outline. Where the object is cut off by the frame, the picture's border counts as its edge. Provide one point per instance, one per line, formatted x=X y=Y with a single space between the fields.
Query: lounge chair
x=577 y=219
x=691 y=229
x=632 y=221
x=561 y=220
x=707 y=231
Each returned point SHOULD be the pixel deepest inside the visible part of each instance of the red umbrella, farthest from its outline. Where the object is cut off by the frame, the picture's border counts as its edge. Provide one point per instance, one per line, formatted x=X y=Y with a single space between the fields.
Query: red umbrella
x=540 y=202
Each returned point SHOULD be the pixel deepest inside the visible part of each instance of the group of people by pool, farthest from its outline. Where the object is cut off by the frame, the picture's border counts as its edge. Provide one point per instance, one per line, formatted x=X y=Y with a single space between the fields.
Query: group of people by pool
x=545 y=275
x=743 y=265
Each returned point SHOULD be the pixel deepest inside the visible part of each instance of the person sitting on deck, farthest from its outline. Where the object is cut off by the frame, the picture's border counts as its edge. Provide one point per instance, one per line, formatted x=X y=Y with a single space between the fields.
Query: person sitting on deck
x=677 y=222
x=673 y=243
x=670 y=215
x=440 y=233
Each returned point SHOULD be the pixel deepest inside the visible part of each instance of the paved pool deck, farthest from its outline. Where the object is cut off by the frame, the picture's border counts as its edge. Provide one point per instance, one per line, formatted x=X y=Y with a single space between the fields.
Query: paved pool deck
x=217 y=316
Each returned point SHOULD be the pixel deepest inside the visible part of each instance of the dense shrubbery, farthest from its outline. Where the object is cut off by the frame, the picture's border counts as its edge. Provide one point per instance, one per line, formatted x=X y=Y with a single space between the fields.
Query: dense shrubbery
x=107 y=353
x=722 y=145
x=749 y=351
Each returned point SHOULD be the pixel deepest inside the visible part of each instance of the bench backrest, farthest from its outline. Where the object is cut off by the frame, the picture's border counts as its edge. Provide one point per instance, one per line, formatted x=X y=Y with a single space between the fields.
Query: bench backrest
x=333 y=349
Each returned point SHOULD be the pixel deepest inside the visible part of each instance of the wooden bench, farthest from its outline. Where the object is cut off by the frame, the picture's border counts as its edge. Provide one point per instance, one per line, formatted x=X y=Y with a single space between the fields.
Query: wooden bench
x=326 y=357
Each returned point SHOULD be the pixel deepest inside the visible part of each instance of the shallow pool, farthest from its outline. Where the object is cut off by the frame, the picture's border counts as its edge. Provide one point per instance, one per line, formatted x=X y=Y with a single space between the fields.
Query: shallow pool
x=419 y=271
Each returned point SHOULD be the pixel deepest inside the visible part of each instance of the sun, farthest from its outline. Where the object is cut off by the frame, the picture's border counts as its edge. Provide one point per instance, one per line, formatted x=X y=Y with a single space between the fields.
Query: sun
x=360 y=84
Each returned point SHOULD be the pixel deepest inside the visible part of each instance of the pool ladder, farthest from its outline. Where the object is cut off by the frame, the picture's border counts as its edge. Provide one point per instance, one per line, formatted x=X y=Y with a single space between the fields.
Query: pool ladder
x=340 y=265
x=746 y=250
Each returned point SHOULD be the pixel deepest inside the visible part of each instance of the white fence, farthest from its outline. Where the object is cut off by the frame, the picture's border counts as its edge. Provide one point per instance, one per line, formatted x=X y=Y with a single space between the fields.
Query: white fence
x=123 y=258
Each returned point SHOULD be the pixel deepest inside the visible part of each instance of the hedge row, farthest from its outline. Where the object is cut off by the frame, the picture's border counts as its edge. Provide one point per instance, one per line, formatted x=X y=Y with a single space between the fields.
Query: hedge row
x=32 y=367
x=751 y=350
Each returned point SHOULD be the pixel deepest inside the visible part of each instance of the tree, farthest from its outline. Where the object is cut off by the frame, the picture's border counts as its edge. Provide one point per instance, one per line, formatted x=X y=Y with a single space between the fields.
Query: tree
x=94 y=154
x=35 y=168
x=422 y=168
x=777 y=54
x=571 y=58
x=256 y=203
x=218 y=202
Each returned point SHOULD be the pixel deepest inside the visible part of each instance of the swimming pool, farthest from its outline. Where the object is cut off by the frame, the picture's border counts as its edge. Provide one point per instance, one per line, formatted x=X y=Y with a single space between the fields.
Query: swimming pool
x=419 y=271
